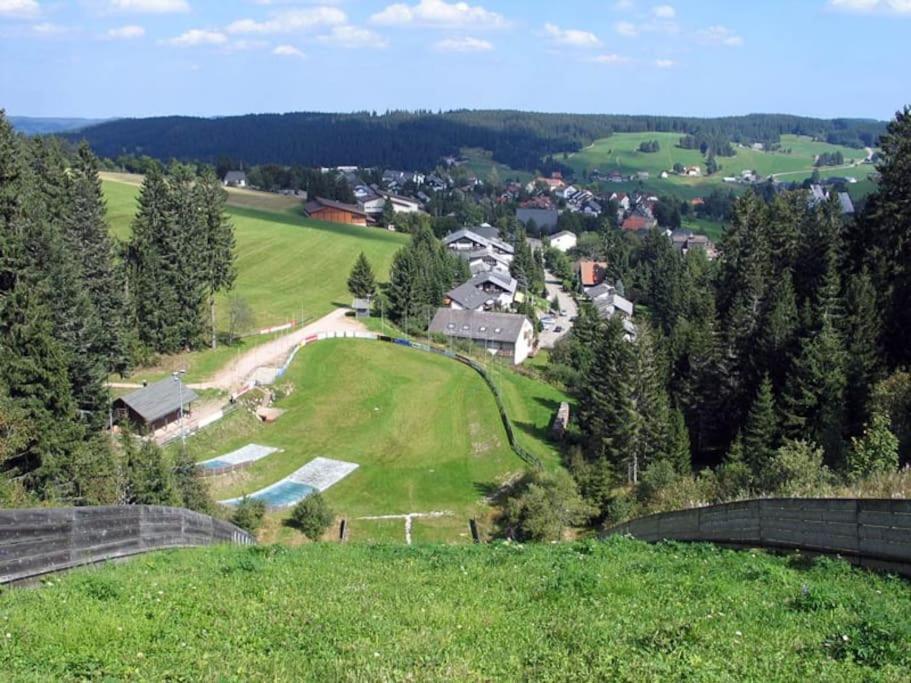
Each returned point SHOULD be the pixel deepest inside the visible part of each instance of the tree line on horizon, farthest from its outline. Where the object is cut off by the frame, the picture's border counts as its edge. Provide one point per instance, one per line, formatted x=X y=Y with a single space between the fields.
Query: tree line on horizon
x=418 y=140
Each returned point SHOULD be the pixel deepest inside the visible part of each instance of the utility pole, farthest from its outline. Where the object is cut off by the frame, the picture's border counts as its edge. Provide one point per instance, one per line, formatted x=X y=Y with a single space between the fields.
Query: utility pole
x=183 y=434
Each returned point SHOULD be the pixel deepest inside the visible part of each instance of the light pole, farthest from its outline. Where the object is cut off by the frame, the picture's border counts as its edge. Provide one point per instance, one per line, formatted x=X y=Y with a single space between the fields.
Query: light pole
x=176 y=375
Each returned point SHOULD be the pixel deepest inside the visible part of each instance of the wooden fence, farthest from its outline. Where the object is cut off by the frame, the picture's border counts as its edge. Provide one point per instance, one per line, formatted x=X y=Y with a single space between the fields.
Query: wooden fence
x=37 y=541
x=870 y=532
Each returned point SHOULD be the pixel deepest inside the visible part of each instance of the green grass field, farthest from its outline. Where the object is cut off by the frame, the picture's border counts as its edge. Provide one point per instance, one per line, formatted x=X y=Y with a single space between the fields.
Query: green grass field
x=621 y=152
x=619 y=610
x=287 y=265
x=424 y=429
x=480 y=163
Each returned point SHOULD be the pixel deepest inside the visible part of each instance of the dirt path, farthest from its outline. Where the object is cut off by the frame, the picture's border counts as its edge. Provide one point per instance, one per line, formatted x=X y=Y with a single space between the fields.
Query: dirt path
x=238 y=372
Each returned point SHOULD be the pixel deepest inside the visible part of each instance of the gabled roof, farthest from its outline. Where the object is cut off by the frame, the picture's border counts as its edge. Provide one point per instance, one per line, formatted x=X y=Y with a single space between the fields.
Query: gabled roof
x=159 y=399
x=591 y=273
x=563 y=233
x=478 y=325
x=470 y=295
x=320 y=203
x=847 y=206
x=235 y=176
x=471 y=235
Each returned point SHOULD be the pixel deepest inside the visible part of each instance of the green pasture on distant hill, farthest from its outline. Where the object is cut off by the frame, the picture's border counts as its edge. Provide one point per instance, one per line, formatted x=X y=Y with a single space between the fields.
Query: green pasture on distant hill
x=424 y=429
x=286 y=264
x=620 y=152
x=619 y=610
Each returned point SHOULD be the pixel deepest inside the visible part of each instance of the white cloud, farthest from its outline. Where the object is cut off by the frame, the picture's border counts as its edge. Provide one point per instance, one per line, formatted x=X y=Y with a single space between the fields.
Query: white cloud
x=719 y=35
x=439 y=14
x=664 y=11
x=150 y=6
x=626 y=28
x=353 y=37
x=571 y=37
x=872 y=6
x=291 y=20
x=126 y=32
x=466 y=44
x=665 y=63
x=196 y=37
x=610 y=58
x=288 y=51
x=48 y=29
x=19 y=8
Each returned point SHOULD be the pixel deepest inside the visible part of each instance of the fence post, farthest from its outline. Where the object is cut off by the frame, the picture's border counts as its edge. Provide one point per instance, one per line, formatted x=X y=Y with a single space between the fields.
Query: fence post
x=475 y=533
x=343 y=531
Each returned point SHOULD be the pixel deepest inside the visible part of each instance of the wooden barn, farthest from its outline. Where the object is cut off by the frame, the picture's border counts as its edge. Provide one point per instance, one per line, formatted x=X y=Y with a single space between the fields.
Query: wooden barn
x=155 y=406
x=335 y=212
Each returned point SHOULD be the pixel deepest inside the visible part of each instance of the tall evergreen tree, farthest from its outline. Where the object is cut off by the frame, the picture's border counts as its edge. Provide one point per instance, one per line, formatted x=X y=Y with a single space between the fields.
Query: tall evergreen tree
x=186 y=260
x=862 y=328
x=361 y=282
x=220 y=271
x=650 y=405
x=760 y=432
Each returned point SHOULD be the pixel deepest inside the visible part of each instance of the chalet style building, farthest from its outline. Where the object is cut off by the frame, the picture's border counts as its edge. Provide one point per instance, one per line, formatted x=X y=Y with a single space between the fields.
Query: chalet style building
x=335 y=212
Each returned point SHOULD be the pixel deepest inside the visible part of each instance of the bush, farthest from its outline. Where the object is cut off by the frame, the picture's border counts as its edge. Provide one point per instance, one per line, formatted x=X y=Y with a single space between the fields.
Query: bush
x=876 y=450
x=312 y=516
x=797 y=470
x=542 y=505
x=248 y=514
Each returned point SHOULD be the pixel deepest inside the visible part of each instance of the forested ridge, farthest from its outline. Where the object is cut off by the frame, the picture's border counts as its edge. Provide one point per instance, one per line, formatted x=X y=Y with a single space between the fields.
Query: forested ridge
x=418 y=140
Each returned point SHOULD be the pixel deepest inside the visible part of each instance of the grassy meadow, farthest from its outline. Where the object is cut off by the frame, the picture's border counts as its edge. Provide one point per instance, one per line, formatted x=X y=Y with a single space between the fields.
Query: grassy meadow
x=621 y=152
x=287 y=265
x=424 y=429
x=619 y=610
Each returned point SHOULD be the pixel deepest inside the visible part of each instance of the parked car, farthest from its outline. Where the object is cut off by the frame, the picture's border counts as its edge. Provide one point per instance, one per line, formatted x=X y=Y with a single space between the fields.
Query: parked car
x=563 y=312
x=558 y=329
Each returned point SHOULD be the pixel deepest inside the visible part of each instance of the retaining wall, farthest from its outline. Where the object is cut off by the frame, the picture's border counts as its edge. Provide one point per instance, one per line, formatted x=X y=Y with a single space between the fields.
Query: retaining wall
x=869 y=532
x=37 y=541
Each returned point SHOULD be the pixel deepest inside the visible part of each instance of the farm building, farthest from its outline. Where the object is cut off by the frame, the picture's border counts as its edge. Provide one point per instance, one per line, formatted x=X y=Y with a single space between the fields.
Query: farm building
x=235 y=179
x=502 y=334
x=156 y=405
x=335 y=212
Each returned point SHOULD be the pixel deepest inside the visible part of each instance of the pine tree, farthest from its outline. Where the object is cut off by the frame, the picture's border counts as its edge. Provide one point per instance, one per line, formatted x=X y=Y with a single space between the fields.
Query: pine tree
x=147 y=477
x=87 y=237
x=813 y=399
x=760 y=432
x=862 y=329
x=186 y=260
x=679 y=454
x=219 y=241
x=361 y=282
x=607 y=412
x=779 y=329
x=650 y=405
x=189 y=486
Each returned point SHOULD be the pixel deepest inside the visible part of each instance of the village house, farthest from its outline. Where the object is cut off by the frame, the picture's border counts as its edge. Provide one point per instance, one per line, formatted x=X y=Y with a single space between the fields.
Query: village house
x=685 y=241
x=235 y=179
x=563 y=241
x=591 y=273
x=485 y=291
x=155 y=406
x=503 y=334
x=637 y=222
x=335 y=212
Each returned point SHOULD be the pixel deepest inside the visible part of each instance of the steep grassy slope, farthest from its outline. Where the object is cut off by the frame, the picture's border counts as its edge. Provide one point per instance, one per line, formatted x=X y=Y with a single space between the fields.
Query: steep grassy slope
x=424 y=429
x=619 y=610
x=287 y=265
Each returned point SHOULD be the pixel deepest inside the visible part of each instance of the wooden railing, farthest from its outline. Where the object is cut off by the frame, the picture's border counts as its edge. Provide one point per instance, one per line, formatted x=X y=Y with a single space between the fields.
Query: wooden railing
x=38 y=541
x=871 y=532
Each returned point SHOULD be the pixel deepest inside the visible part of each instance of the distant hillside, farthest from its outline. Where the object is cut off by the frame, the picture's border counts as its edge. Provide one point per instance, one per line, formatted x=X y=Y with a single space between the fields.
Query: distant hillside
x=32 y=125
x=419 y=139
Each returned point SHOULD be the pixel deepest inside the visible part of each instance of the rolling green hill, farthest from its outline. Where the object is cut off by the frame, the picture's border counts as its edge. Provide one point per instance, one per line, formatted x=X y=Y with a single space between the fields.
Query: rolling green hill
x=621 y=152
x=286 y=264
x=619 y=610
x=424 y=429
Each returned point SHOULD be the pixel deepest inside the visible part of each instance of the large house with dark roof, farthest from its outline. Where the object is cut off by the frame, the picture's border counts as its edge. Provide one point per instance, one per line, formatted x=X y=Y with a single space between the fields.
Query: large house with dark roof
x=156 y=405
x=335 y=212
x=501 y=334
x=485 y=291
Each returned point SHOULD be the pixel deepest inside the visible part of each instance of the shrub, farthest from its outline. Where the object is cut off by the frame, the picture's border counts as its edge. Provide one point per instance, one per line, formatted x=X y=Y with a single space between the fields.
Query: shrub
x=876 y=451
x=312 y=516
x=248 y=514
x=542 y=505
x=797 y=470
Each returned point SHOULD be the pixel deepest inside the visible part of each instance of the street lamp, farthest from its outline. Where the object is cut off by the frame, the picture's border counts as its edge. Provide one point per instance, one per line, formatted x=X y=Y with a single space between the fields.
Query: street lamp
x=176 y=375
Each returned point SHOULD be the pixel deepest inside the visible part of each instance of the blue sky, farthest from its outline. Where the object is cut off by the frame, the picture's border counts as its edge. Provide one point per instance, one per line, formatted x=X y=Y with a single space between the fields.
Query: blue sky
x=101 y=58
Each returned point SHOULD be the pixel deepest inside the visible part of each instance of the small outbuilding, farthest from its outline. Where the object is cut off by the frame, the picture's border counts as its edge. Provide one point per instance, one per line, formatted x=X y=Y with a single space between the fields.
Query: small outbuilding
x=156 y=405
x=235 y=179
x=361 y=308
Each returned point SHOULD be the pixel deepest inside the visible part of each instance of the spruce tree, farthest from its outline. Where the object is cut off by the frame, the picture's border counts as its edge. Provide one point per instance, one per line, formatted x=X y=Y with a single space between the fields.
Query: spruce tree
x=760 y=432
x=679 y=454
x=862 y=329
x=186 y=261
x=361 y=282
x=220 y=271
x=650 y=405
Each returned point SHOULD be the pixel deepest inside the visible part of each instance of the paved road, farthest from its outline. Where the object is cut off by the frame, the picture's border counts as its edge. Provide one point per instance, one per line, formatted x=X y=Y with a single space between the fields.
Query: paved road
x=567 y=303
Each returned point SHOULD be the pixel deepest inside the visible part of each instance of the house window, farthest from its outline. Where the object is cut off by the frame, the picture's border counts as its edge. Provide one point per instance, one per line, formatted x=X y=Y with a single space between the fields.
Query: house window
x=497 y=331
x=451 y=326
x=482 y=329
